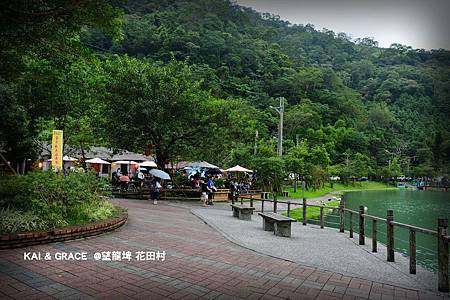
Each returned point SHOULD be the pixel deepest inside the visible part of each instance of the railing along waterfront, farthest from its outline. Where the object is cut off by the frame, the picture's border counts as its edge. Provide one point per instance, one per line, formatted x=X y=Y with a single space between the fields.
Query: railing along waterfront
x=442 y=233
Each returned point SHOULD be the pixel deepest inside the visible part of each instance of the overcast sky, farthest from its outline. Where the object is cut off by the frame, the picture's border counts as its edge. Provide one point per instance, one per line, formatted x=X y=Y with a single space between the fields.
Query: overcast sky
x=416 y=23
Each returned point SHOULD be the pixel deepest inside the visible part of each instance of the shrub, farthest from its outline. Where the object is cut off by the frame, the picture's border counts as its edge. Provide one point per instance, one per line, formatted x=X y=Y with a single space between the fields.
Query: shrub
x=12 y=220
x=48 y=200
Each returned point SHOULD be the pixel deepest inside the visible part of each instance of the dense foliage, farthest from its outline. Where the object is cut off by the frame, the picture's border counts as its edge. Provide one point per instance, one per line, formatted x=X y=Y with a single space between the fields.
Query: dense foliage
x=42 y=201
x=195 y=80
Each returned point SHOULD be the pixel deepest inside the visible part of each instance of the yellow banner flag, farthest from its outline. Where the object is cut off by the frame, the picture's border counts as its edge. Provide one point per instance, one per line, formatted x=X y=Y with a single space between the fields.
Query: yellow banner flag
x=57 y=150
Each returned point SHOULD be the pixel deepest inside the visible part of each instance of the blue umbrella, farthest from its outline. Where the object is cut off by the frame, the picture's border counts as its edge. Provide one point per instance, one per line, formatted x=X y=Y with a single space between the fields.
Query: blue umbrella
x=159 y=174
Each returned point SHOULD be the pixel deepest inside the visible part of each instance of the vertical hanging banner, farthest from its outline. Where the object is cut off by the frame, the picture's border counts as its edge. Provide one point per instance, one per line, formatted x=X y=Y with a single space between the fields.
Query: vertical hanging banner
x=57 y=150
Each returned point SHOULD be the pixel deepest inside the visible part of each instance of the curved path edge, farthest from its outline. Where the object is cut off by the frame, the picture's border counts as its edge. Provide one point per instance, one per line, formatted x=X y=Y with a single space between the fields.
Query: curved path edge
x=271 y=254
x=17 y=240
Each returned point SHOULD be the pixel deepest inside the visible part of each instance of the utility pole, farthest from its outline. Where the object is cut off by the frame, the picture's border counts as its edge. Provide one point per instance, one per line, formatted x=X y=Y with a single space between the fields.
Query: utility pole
x=256 y=143
x=280 y=111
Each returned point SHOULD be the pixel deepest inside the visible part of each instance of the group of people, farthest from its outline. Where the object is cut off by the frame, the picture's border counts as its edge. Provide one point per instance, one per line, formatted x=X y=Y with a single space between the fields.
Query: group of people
x=207 y=189
x=122 y=180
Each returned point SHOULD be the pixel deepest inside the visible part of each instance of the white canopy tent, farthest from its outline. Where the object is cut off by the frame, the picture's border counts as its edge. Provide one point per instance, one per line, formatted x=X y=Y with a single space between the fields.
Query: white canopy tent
x=98 y=161
x=125 y=162
x=201 y=164
x=238 y=168
x=148 y=163
x=103 y=171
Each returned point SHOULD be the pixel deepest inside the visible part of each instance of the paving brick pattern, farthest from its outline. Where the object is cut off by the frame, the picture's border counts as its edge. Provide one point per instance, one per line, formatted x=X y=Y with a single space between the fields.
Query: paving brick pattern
x=199 y=264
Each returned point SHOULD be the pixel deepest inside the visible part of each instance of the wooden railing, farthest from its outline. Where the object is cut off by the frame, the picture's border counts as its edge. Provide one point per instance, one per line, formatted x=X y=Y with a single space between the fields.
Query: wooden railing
x=442 y=234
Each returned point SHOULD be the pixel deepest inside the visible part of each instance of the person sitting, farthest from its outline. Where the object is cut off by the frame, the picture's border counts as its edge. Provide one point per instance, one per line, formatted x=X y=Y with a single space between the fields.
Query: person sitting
x=195 y=183
x=124 y=180
x=114 y=180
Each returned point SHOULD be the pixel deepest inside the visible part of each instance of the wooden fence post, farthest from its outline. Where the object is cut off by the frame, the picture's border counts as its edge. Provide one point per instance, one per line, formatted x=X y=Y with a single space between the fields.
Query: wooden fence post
x=374 y=236
x=351 y=224
x=443 y=255
x=412 y=251
x=275 y=204
x=304 y=211
x=390 y=235
x=289 y=208
x=321 y=217
x=362 y=239
x=262 y=205
x=341 y=217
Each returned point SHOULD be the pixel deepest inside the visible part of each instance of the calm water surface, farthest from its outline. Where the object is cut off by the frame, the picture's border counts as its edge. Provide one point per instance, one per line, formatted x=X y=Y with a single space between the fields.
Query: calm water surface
x=414 y=207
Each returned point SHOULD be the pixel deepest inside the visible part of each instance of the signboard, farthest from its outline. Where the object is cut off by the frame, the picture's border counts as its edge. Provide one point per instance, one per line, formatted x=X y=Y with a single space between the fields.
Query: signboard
x=57 y=150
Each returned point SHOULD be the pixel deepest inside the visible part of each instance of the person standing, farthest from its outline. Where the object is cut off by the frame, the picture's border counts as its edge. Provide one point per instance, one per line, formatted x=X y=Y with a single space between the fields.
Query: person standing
x=204 y=191
x=211 y=190
x=140 y=178
x=155 y=188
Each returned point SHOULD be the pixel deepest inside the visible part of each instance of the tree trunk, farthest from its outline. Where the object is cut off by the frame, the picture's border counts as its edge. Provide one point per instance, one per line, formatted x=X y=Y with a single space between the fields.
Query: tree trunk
x=83 y=156
x=295 y=183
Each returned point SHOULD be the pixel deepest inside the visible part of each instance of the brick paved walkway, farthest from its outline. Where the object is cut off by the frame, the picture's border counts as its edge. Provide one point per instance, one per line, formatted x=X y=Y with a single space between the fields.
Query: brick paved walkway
x=199 y=263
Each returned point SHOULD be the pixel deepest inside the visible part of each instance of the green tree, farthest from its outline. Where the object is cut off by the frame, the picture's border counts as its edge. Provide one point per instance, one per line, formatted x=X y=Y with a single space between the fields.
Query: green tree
x=153 y=105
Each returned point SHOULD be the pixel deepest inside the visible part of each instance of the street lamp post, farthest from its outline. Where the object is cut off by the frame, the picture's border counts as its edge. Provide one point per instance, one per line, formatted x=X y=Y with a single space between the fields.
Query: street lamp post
x=280 y=111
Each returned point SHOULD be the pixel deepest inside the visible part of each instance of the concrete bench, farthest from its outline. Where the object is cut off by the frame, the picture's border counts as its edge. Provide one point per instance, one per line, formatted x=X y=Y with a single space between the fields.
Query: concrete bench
x=242 y=212
x=280 y=225
x=265 y=195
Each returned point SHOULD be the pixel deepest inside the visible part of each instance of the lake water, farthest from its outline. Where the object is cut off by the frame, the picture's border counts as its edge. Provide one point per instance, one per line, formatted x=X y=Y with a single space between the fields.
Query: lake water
x=414 y=207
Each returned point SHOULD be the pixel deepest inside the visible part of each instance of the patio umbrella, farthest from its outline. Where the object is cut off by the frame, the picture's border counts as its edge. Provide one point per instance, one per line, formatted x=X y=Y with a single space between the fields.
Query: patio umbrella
x=98 y=161
x=159 y=174
x=148 y=163
x=238 y=168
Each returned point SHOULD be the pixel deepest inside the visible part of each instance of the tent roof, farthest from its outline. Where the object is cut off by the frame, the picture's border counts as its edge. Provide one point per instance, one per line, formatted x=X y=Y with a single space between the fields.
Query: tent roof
x=125 y=162
x=238 y=168
x=148 y=163
x=97 y=161
x=201 y=164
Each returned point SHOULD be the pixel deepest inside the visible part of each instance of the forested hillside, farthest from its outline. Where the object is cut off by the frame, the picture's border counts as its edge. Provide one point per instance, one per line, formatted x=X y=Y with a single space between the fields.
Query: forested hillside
x=350 y=97
x=196 y=79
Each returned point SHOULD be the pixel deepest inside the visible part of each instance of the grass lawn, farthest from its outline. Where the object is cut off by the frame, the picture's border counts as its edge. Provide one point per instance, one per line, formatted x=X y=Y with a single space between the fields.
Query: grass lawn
x=358 y=186
x=311 y=212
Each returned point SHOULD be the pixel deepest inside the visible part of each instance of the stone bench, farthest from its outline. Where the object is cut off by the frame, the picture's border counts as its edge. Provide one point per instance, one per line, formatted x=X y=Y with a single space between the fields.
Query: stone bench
x=280 y=225
x=242 y=212
x=265 y=195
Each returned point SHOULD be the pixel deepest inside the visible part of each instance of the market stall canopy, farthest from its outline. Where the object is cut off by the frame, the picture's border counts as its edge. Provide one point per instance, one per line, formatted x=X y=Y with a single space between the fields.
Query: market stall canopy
x=201 y=164
x=238 y=168
x=160 y=174
x=125 y=162
x=98 y=161
x=148 y=163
